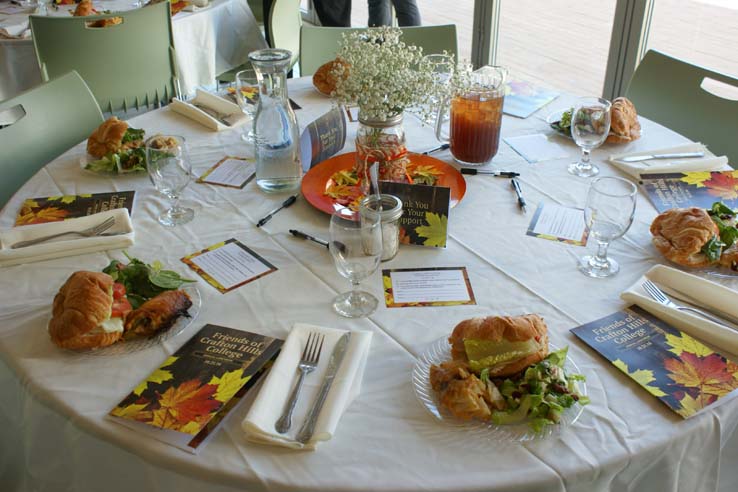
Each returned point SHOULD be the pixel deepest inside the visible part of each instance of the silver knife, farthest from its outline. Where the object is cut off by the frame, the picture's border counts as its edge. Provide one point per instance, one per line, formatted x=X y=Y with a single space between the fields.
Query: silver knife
x=678 y=155
x=686 y=298
x=308 y=428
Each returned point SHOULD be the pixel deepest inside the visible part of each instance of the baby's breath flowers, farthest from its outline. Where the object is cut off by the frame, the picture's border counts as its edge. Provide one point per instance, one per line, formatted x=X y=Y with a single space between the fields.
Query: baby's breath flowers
x=384 y=75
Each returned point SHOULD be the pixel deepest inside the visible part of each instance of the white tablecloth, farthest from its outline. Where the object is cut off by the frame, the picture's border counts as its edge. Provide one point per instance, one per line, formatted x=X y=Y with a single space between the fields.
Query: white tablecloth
x=208 y=42
x=625 y=440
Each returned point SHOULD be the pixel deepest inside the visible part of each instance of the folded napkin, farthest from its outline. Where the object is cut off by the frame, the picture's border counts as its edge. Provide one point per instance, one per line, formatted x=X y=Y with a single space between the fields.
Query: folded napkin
x=69 y=245
x=15 y=26
x=709 y=162
x=703 y=291
x=229 y=111
x=269 y=404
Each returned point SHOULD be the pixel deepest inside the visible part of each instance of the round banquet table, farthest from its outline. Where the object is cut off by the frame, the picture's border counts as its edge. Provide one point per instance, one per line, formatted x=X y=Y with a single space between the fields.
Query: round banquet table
x=56 y=437
x=208 y=42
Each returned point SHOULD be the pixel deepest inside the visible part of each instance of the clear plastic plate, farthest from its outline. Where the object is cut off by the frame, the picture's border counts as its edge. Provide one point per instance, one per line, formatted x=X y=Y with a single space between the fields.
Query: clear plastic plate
x=440 y=351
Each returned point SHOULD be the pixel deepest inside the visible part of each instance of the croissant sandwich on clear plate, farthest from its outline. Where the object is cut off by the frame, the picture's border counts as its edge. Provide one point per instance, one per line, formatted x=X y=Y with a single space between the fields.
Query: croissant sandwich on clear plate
x=624 y=125
x=117 y=147
x=83 y=314
x=695 y=237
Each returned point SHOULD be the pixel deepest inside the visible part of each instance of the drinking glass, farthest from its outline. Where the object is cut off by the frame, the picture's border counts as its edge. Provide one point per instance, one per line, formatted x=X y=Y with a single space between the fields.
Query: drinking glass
x=170 y=170
x=356 y=246
x=608 y=213
x=590 y=124
x=442 y=69
x=247 y=95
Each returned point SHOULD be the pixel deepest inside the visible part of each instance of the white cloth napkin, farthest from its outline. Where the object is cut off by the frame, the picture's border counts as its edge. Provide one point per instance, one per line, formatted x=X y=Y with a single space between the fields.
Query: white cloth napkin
x=15 y=26
x=701 y=290
x=709 y=162
x=69 y=245
x=232 y=113
x=269 y=404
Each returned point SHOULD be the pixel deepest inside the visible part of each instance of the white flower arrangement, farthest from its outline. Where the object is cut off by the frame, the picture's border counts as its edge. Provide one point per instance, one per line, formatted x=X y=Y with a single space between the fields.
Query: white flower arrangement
x=382 y=74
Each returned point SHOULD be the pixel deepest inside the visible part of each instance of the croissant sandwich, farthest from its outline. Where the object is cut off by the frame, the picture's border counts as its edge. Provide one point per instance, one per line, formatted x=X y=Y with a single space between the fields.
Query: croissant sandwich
x=682 y=234
x=325 y=78
x=624 y=125
x=505 y=345
x=117 y=146
x=86 y=313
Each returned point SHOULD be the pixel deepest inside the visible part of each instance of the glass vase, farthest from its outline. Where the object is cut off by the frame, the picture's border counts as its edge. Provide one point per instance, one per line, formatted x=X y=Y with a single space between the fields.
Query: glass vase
x=381 y=141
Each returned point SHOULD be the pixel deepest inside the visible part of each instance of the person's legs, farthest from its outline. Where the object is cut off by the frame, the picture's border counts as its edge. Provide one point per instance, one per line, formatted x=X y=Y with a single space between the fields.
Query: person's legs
x=380 y=13
x=333 y=13
x=407 y=12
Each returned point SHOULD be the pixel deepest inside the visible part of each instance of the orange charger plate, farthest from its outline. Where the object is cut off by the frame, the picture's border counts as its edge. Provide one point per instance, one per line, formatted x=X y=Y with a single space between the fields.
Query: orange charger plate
x=317 y=179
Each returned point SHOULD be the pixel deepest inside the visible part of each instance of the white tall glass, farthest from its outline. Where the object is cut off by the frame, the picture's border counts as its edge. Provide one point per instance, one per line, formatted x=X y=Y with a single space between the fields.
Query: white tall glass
x=356 y=247
x=609 y=212
x=170 y=170
x=590 y=124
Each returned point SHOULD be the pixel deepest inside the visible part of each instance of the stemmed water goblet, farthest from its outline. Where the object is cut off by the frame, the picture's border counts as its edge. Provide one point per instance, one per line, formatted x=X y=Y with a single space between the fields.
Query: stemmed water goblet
x=169 y=167
x=356 y=247
x=609 y=212
x=247 y=94
x=590 y=124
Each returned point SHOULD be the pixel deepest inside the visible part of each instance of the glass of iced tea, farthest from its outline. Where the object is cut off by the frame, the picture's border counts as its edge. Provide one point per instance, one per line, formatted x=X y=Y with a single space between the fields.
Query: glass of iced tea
x=476 y=117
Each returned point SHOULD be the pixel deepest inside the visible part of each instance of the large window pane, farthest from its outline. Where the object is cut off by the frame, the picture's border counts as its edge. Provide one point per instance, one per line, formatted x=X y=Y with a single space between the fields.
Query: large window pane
x=703 y=32
x=557 y=43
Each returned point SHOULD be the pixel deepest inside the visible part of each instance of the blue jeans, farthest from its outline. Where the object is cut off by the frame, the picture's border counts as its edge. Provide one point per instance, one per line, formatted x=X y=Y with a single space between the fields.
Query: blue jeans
x=380 y=13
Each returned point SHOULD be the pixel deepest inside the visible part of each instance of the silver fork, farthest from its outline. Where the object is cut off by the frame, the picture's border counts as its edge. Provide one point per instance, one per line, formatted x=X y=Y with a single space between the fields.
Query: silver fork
x=659 y=296
x=95 y=230
x=308 y=363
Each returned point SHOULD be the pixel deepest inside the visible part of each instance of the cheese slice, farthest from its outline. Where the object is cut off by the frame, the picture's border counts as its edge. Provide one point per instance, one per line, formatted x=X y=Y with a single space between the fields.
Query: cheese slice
x=112 y=325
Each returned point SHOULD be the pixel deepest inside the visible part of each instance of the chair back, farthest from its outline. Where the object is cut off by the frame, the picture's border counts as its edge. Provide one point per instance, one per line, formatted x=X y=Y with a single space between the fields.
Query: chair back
x=670 y=92
x=128 y=65
x=257 y=8
x=319 y=45
x=285 y=20
x=40 y=124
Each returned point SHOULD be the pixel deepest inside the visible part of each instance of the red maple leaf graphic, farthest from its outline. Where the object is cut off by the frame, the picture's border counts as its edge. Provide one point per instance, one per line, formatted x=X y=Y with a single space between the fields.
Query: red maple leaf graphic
x=189 y=400
x=708 y=374
x=723 y=185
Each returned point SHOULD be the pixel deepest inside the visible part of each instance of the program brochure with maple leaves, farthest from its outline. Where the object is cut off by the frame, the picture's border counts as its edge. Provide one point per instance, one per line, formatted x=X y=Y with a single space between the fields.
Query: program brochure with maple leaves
x=183 y=400
x=63 y=207
x=677 y=369
x=693 y=189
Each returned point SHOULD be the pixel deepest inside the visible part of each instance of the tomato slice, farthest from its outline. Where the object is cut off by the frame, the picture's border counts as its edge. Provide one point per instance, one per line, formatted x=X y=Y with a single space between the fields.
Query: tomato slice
x=121 y=308
x=119 y=290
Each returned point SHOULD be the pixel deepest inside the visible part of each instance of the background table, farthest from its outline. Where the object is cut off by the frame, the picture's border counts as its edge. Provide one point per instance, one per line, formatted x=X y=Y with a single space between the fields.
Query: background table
x=209 y=41
x=626 y=439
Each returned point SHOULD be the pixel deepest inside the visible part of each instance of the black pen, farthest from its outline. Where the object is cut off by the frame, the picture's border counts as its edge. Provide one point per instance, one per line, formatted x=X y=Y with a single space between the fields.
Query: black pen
x=498 y=174
x=302 y=235
x=436 y=149
x=285 y=204
x=521 y=200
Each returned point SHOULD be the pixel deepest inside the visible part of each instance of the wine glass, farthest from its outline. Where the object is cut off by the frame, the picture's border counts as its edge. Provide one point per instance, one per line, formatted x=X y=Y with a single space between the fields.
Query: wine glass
x=247 y=96
x=170 y=170
x=590 y=124
x=608 y=213
x=356 y=246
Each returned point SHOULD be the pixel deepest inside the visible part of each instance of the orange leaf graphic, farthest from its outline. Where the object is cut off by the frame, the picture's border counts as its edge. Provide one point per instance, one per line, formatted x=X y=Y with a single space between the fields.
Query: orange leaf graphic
x=185 y=403
x=708 y=374
x=723 y=186
x=40 y=216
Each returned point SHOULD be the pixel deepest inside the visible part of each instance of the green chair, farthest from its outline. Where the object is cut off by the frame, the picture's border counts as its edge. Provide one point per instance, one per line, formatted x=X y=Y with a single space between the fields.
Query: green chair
x=129 y=65
x=257 y=8
x=668 y=91
x=41 y=123
x=285 y=20
x=319 y=45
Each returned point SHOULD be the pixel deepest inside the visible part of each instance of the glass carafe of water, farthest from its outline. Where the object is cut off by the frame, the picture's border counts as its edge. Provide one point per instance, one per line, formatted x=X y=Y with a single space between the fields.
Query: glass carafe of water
x=278 y=166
